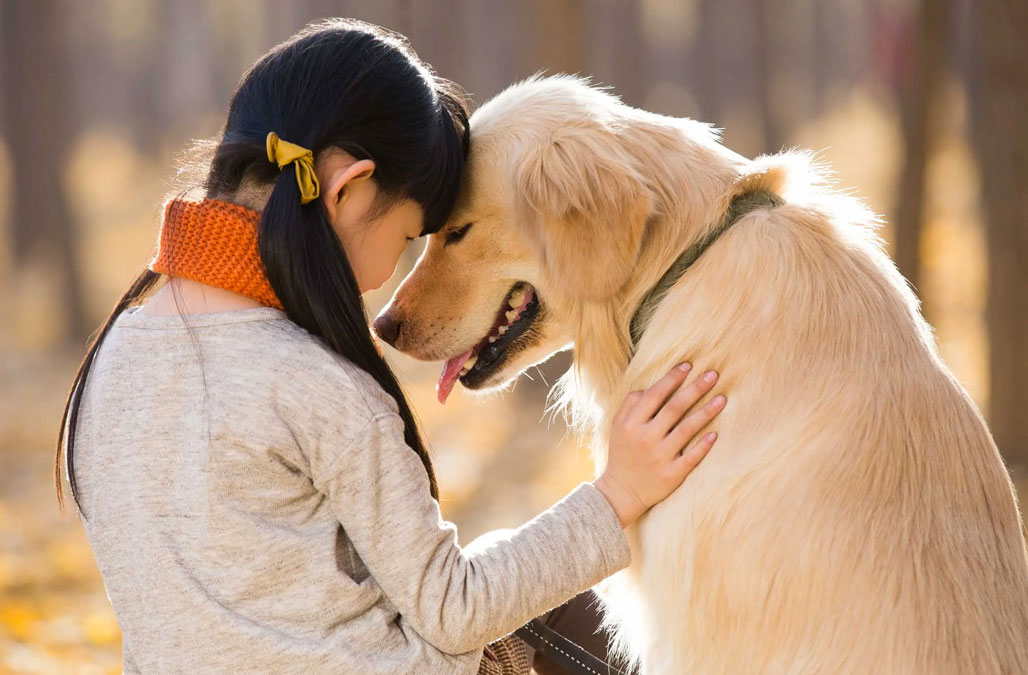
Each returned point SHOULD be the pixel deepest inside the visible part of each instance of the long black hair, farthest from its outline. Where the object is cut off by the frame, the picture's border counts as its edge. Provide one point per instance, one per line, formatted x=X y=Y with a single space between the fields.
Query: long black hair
x=337 y=83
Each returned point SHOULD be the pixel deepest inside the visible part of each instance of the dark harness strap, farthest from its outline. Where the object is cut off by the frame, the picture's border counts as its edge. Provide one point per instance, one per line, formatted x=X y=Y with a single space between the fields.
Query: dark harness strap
x=563 y=651
x=739 y=207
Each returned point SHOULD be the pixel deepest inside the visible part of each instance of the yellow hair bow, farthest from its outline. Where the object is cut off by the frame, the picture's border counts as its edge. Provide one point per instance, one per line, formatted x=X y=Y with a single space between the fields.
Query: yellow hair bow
x=284 y=153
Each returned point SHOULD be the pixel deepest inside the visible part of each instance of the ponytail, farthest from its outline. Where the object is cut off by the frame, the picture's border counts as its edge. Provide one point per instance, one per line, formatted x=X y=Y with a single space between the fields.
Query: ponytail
x=312 y=277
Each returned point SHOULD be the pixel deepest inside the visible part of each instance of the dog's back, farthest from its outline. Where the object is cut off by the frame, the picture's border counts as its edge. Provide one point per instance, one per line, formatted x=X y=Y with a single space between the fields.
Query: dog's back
x=856 y=516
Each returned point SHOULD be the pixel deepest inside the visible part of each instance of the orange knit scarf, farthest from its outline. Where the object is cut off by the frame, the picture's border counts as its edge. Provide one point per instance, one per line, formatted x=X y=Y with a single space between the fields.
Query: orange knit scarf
x=214 y=242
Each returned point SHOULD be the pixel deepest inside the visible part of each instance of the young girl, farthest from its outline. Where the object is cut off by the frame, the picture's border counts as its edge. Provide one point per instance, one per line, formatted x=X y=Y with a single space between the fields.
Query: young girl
x=249 y=473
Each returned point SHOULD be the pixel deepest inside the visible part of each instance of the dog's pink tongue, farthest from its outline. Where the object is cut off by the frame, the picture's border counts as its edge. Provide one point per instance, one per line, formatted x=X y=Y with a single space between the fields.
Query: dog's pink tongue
x=448 y=378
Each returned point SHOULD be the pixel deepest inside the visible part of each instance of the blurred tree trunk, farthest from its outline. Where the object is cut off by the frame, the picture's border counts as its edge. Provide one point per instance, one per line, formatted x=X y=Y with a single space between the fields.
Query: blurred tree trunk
x=999 y=96
x=825 y=43
x=39 y=131
x=191 y=66
x=768 y=17
x=705 y=59
x=438 y=37
x=616 y=50
x=551 y=36
x=147 y=92
x=919 y=85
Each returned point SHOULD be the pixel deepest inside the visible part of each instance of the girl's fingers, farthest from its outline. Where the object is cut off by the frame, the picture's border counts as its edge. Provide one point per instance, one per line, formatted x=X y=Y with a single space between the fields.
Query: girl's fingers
x=687 y=461
x=672 y=412
x=651 y=400
x=691 y=425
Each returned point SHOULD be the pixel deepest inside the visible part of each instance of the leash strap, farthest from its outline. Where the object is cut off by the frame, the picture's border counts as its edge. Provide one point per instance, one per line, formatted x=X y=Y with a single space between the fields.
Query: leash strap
x=739 y=207
x=563 y=651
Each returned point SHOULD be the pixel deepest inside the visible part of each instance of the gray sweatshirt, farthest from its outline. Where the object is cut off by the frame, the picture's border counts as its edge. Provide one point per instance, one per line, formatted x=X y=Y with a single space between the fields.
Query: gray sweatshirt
x=253 y=507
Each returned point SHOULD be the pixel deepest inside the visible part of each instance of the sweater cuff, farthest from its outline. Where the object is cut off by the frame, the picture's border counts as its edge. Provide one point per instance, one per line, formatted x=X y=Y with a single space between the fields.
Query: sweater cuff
x=599 y=518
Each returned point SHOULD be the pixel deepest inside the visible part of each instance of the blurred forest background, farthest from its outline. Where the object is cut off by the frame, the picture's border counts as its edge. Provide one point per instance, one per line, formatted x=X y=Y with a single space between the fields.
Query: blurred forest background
x=921 y=106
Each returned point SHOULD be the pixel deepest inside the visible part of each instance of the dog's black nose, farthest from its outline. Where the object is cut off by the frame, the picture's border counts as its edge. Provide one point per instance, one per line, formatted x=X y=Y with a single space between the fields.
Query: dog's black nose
x=388 y=328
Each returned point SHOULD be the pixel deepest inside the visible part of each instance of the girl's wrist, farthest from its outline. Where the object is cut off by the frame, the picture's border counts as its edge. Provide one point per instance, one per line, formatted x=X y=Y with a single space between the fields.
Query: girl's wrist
x=626 y=506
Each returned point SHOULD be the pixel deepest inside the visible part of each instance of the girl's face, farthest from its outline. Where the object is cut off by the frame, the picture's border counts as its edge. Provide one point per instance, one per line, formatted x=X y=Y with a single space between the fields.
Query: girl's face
x=348 y=194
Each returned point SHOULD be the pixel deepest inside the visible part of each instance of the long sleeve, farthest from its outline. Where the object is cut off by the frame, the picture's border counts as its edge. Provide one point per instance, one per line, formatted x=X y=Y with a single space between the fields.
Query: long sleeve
x=258 y=446
x=459 y=600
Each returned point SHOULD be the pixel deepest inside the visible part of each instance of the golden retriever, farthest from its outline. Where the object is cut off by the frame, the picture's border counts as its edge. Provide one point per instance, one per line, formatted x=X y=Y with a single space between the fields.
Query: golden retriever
x=855 y=515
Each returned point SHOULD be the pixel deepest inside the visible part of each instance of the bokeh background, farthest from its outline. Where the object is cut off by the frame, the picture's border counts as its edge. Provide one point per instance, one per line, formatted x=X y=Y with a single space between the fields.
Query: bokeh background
x=921 y=106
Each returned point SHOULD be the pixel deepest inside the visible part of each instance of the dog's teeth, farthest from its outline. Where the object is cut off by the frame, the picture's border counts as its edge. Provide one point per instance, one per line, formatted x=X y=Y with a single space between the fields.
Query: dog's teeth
x=516 y=299
x=503 y=329
x=492 y=339
x=464 y=371
x=511 y=315
x=470 y=363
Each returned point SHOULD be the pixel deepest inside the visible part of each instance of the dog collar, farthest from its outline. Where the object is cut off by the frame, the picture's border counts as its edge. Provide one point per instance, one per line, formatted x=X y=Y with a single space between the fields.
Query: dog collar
x=739 y=207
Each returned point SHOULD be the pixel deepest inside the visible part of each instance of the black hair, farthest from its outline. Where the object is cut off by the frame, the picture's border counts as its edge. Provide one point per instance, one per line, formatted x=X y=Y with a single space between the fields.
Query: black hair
x=338 y=83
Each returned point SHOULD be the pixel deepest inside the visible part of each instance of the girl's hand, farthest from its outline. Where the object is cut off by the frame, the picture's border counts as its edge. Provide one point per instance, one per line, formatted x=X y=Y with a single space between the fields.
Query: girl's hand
x=647 y=460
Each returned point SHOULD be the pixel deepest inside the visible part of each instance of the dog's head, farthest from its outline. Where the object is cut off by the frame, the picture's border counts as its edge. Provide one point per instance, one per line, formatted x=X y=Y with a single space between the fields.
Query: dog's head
x=551 y=216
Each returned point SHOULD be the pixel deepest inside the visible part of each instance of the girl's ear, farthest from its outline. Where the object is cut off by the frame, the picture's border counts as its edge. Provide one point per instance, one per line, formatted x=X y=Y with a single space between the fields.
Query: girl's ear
x=341 y=173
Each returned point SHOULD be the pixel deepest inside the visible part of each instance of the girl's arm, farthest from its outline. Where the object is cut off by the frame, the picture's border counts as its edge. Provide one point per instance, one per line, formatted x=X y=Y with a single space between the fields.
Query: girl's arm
x=459 y=601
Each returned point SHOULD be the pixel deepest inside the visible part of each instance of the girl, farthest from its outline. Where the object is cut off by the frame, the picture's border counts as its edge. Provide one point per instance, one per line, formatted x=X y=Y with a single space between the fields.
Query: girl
x=250 y=475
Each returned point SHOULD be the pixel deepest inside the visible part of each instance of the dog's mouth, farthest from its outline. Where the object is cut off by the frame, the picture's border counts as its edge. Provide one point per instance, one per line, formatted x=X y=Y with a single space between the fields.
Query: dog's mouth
x=519 y=309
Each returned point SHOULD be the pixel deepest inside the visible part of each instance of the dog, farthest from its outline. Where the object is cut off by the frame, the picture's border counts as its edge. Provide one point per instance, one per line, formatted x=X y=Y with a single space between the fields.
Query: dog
x=855 y=515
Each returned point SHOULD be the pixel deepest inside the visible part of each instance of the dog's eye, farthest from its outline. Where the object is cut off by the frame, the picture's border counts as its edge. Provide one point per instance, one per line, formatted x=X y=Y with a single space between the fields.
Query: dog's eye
x=453 y=236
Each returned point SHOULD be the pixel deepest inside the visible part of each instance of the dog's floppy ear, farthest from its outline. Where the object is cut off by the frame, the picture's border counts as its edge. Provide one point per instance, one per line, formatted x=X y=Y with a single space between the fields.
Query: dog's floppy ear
x=582 y=204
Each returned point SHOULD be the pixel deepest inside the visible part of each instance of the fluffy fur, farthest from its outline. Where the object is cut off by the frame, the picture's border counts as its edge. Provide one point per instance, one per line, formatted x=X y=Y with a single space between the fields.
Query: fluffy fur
x=855 y=515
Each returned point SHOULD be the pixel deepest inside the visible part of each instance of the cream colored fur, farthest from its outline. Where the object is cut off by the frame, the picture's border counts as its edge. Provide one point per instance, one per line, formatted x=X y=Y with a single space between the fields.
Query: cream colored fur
x=855 y=515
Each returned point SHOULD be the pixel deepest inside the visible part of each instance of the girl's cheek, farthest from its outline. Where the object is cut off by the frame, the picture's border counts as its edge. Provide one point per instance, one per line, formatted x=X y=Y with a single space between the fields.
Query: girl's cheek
x=368 y=272
x=400 y=250
x=385 y=268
